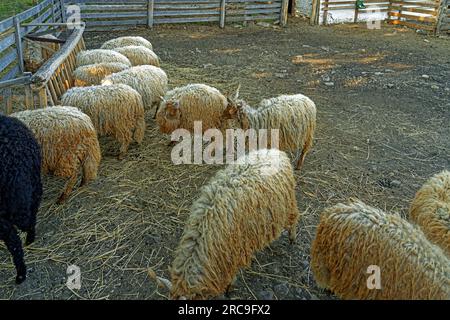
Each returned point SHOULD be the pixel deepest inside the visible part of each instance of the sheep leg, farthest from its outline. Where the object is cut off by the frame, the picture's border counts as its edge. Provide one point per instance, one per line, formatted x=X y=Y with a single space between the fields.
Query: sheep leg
x=293 y=222
x=12 y=241
x=67 y=189
x=31 y=230
x=123 y=150
x=228 y=290
x=305 y=150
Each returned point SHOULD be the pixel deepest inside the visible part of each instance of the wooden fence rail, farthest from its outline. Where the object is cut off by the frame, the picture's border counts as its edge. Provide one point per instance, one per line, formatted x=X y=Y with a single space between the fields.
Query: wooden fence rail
x=430 y=15
x=104 y=14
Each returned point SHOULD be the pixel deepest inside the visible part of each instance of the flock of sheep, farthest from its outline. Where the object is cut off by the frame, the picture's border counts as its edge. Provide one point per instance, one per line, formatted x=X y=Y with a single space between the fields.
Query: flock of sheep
x=243 y=208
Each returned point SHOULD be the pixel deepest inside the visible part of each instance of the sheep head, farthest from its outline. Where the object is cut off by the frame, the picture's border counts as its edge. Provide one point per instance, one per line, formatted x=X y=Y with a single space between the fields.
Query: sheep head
x=169 y=116
x=235 y=111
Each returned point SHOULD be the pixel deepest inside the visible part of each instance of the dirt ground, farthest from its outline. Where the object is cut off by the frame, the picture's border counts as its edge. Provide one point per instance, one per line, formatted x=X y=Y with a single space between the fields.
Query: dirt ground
x=383 y=99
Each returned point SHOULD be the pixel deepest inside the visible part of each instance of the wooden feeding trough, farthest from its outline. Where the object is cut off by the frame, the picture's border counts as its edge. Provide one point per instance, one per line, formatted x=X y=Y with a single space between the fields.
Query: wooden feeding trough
x=55 y=76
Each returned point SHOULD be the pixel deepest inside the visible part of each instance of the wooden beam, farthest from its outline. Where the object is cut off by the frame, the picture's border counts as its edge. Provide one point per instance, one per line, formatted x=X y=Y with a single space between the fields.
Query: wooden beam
x=150 y=10
x=16 y=82
x=45 y=72
x=284 y=12
x=18 y=40
x=223 y=4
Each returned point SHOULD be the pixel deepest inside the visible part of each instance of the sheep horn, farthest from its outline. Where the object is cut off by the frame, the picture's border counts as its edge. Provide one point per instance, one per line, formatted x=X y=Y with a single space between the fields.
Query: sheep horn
x=165 y=282
x=236 y=95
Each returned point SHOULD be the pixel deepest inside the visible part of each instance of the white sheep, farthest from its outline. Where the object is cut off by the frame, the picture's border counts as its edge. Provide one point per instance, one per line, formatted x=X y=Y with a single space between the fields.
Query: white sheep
x=99 y=56
x=127 y=41
x=93 y=74
x=430 y=209
x=149 y=81
x=293 y=115
x=356 y=244
x=115 y=110
x=241 y=210
x=139 y=55
x=68 y=141
x=182 y=106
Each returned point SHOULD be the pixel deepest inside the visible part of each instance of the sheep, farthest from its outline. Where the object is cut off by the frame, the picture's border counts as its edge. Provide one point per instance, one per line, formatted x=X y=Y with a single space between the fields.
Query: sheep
x=115 y=110
x=354 y=239
x=430 y=209
x=125 y=42
x=293 y=115
x=20 y=188
x=149 y=81
x=68 y=141
x=99 y=56
x=242 y=209
x=93 y=74
x=139 y=55
x=194 y=102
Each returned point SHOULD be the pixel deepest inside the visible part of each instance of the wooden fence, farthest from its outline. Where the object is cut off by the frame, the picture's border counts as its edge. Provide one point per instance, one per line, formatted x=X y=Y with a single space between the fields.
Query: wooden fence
x=444 y=21
x=106 y=14
x=416 y=14
x=53 y=78
x=430 y=15
x=339 y=5
x=12 y=29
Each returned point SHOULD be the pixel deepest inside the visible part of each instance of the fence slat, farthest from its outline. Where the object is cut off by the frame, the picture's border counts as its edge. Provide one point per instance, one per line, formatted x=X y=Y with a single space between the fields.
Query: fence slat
x=18 y=40
x=150 y=7
x=222 y=13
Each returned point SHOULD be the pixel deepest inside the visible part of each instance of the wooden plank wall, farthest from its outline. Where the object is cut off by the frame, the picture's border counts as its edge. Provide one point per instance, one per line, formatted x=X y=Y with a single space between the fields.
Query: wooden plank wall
x=328 y=6
x=104 y=14
x=430 y=15
x=418 y=14
x=444 y=23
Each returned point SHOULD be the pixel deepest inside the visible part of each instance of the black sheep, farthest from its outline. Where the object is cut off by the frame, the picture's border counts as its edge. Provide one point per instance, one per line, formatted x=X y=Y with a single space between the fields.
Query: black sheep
x=20 y=187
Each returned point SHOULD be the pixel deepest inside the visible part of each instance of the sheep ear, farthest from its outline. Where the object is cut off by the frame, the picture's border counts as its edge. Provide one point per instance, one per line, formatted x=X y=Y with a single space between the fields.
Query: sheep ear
x=231 y=108
x=172 y=107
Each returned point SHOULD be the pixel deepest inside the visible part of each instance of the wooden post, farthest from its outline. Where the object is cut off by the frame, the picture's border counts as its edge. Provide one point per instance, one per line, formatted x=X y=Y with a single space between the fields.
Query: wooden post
x=325 y=12
x=314 y=15
x=29 y=103
x=18 y=40
x=442 y=12
x=7 y=93
x=223 y=4
x=150 y=9
x=53 y=11
x=355 y=19
x=43 y=103
x=63 y=11
x=284 y=12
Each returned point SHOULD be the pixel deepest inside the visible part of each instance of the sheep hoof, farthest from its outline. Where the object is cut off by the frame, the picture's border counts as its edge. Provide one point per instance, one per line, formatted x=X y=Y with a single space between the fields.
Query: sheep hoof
x=20 y=278
x=29 y=240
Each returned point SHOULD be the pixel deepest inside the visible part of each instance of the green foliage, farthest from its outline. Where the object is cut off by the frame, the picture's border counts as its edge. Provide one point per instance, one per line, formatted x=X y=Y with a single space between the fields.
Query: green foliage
x=9 y=8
